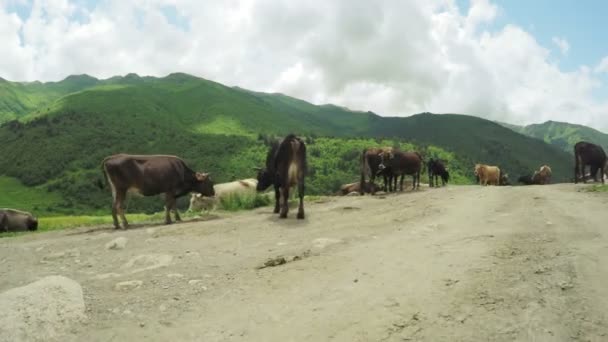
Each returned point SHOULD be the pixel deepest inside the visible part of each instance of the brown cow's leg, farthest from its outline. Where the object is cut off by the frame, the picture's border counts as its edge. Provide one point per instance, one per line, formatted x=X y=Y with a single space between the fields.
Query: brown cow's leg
x=176 y=212
x=301 y=195
x=115 y=213
x=277 y=198
x=284 y=202
x=119 y=207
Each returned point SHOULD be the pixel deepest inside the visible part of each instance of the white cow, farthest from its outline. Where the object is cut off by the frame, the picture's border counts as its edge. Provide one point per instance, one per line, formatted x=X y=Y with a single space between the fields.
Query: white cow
x=244 y=186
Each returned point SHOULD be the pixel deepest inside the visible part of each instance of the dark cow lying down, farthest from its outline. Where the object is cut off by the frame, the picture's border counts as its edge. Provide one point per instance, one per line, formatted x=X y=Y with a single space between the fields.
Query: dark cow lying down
x=285 y=167
x=151 y=175
x=356 y=187
x=12 y=220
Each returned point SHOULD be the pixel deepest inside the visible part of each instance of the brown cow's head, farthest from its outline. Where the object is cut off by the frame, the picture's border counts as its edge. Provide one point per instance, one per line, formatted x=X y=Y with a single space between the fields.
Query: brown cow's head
x=386 y=157
x=265 y=179
x=203 y=184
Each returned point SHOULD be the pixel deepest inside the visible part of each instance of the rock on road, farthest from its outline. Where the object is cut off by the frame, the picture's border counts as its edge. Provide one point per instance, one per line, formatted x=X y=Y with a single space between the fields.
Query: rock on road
x=462 y=263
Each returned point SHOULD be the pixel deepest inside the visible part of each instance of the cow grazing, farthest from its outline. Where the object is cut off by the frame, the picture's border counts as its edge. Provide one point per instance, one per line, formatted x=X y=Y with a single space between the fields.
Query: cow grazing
x=370 y=168
x=542 y=176
x=588 y=154
x=356 y=187
x=286 y=167
x=401 y=164
x=436 y=168
x=488 y=175
x=199 y=202
x=12 y=220
x=151 y=175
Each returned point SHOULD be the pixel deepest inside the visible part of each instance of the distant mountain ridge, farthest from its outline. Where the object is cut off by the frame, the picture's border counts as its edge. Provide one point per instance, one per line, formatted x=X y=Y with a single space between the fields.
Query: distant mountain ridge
x=562 y=134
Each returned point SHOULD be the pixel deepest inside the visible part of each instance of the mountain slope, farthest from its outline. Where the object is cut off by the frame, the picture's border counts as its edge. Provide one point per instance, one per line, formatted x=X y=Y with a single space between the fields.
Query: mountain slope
x=221 y=129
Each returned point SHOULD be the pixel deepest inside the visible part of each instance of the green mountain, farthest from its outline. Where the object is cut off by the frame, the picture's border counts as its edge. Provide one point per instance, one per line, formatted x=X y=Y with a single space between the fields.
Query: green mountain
x=64 y=129
x=562 y=134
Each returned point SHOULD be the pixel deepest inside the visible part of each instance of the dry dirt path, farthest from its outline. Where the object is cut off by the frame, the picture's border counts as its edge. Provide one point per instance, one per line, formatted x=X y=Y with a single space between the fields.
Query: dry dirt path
x=451 y=264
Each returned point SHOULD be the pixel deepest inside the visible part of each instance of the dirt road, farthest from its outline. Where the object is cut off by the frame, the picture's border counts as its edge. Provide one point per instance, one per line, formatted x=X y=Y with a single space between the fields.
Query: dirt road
x=451 y=264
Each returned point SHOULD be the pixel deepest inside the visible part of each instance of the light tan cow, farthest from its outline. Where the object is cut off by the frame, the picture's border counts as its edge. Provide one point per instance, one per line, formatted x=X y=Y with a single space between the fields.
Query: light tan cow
x=542 y=176
x=223 y=190
x=488 y=175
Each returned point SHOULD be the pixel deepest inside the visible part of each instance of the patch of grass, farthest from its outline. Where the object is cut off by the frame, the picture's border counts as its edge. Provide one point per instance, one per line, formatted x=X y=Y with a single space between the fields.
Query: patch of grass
x=236 y=202
x=597 y=188
x=13 y=194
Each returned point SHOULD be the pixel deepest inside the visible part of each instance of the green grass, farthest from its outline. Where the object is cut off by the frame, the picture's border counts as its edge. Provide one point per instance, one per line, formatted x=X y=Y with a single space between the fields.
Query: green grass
x=13 y=194
x=46 y=224
x=597 y=188
x=236 y=202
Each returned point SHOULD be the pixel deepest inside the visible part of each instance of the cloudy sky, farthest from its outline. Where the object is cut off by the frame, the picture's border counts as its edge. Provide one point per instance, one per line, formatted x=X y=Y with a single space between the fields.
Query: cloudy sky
x=518 y=61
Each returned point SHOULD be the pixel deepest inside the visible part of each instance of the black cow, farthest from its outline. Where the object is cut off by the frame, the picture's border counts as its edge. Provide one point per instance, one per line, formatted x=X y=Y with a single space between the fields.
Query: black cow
x=526 y=180
x=12 y=220
x=436 y=168
x=286 y=167
x=151 y=175
x=588 y=154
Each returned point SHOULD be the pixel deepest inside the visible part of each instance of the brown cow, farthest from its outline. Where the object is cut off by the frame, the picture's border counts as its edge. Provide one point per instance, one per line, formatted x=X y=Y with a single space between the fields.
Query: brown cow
x=286 y=167
x=588 y=154
x=401 y=164
x=370 y=162
x=12 y=220
x=151 y=175
x=542 y=176
x=487 y=174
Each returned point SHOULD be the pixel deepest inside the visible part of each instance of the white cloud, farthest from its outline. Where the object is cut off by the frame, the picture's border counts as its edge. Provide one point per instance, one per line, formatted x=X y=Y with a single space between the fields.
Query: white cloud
x=562 y=44
x=392 y=57
x=602 y=67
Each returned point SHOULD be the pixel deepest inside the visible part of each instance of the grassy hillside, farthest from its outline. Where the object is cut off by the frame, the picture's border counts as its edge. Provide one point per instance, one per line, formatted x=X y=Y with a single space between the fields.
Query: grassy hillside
x=562 y=134
x=59 y=141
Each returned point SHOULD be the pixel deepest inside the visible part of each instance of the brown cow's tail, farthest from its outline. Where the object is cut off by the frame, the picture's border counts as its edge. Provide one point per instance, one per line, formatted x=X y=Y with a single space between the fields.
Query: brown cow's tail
x=100 y=183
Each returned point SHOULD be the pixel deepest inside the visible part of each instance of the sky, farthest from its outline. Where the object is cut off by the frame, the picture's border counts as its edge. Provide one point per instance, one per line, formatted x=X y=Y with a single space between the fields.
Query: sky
x=515 y=61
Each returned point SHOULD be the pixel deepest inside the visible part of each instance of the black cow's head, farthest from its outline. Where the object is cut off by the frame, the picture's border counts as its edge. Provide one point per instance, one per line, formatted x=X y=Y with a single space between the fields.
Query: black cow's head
x=203 y=184
x=32 y=223
x=265 y=179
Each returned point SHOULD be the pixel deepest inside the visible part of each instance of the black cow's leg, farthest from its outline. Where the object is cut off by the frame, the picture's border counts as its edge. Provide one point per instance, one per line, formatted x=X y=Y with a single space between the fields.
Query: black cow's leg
x=277 y=197
x=169 y=199
x=119 y=207
x=301 y=187
x=401 y=182
x=284 y=202
x=177 y=217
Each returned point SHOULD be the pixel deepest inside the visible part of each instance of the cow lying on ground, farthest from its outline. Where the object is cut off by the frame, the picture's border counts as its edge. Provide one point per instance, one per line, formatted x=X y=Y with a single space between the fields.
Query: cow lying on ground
x=199 y=202
x=12 y=220
x=286 y=167
x=587 y=154
x=436 y=169
x=488 y=175
x=151 y=175
x=526 y=180
x=542 y=176
x=400 y=164
x=370 y=168
x=356 y=187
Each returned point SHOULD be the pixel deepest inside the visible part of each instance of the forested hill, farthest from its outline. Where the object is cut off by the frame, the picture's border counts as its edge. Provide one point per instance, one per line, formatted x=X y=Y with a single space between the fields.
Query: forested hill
x=64 y=129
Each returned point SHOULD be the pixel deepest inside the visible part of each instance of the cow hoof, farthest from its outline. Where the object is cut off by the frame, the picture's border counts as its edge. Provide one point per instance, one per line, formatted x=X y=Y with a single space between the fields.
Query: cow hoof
x=168 y=222
x=283 y=216
x=300 y=216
